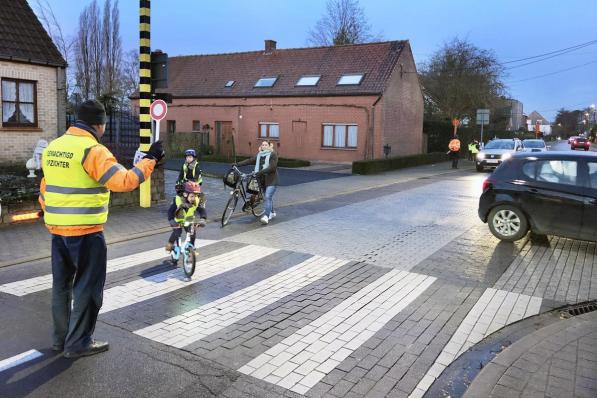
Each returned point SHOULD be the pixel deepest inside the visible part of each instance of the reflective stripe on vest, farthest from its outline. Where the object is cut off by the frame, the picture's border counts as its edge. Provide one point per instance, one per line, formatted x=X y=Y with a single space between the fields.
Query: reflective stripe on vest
x=72 y=197
x=189 y=215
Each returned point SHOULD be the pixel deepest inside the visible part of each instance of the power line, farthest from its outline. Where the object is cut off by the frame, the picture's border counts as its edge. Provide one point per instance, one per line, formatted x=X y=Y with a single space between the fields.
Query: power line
x=553 y=73
x=563 y=51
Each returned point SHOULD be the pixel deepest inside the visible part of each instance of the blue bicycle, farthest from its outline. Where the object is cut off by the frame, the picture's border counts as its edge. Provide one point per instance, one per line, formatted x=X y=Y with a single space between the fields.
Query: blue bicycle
x=186 y=250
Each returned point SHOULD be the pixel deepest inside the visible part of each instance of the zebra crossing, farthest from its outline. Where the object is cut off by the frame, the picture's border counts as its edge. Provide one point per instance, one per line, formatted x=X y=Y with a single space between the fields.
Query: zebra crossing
x=303 y=357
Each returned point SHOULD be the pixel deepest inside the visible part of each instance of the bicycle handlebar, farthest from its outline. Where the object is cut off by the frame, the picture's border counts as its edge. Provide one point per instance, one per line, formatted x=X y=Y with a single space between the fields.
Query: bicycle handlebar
x=242 y=175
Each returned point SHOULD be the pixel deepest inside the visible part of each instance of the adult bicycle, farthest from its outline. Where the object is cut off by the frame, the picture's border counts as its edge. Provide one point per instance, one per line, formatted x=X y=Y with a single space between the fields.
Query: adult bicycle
x=245 y=187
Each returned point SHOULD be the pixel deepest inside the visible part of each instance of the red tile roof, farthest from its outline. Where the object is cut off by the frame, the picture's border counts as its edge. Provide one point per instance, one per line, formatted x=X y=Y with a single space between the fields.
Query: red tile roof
x=206 y=75
x=23 y=38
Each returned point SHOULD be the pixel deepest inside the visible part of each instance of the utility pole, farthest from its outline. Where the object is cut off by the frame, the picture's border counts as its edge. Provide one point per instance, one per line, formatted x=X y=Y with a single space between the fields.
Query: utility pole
x=144 y=93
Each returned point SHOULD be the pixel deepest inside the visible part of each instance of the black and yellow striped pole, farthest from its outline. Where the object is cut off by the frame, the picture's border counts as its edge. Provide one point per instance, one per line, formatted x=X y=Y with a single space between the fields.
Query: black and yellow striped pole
x=144 y=93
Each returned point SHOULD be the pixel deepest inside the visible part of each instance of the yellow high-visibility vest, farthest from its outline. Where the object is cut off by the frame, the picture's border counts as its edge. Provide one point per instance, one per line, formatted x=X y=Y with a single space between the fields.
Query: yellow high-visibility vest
x=72 y=197
x=187 y=215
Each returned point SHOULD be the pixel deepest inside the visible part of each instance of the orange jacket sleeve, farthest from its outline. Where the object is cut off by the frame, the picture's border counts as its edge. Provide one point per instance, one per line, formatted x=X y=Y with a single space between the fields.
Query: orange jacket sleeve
x=103 y=167
x=42 y=191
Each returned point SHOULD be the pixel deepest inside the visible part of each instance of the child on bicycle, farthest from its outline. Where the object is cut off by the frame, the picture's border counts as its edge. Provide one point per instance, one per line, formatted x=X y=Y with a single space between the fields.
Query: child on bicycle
x=183 y=210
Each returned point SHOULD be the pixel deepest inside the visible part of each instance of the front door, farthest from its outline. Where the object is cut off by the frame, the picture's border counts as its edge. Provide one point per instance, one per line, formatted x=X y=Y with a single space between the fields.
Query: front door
x=224 y=144
x=589 y=225
x=555 y=198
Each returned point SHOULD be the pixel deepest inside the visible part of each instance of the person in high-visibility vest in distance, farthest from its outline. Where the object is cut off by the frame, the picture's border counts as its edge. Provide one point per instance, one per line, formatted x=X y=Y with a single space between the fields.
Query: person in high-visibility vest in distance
x=183 y=210
x=454 y=149
x=79 y=173
x=190 y=169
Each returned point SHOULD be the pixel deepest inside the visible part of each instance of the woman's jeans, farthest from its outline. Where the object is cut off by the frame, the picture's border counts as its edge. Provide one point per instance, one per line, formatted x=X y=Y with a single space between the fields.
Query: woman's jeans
x=269 y=199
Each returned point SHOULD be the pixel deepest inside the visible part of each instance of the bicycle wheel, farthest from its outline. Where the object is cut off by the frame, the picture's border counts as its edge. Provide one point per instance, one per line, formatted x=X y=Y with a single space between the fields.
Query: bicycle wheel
x=258 y=207
x=173 y=257
x=230 y=206
x=188 y=264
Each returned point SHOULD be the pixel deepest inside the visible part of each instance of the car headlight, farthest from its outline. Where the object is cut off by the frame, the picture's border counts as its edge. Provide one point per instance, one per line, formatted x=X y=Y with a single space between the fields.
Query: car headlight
x=506 y=156
x=480 y=156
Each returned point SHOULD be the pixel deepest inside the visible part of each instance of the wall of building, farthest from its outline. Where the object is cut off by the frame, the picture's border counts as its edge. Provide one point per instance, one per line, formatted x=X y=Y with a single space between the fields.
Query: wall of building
x=402 y=105
x=300 y=122
x=17 y=144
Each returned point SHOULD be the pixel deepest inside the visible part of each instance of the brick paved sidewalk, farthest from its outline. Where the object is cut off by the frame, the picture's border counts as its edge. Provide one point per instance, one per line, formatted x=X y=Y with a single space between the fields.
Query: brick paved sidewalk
x=559 y=360
x=130 y=223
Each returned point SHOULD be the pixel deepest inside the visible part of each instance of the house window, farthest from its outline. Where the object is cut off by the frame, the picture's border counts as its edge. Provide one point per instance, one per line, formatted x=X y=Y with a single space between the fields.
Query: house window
x=266 y=82
x=308 y=80
x=340 y=135
x=171 y=126
x=196 y=125
x=19 y=103
x=269 y=130
x=230 y=83
x=350 y=79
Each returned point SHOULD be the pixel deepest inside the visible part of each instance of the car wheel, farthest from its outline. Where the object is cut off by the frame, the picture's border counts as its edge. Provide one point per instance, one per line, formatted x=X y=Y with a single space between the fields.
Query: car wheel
x=507 y=223
x=480 y=168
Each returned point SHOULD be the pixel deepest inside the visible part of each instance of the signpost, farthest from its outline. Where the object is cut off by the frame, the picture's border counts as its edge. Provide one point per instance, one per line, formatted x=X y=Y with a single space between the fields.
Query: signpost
x=482 y=119
x=158 y=110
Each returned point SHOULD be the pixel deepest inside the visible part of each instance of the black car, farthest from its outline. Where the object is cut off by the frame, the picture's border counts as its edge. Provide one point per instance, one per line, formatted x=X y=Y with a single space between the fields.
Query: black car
x=551 y=193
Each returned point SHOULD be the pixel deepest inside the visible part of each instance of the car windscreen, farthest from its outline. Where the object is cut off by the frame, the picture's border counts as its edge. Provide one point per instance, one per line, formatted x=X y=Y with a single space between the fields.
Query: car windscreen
x=500 y=145
x=534 y=144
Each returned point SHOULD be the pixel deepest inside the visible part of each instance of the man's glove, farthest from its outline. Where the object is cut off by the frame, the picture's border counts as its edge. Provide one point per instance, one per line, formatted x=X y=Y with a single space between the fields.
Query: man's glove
x=156 y=152
x=173 y=223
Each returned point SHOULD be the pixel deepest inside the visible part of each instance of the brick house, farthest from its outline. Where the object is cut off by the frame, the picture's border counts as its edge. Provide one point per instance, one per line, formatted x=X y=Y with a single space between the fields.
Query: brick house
x=32 y=83
x=340 y=103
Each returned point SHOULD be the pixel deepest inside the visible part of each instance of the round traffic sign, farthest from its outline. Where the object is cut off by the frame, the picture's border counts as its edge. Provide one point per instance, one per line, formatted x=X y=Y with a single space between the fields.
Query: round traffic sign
x=158 y=109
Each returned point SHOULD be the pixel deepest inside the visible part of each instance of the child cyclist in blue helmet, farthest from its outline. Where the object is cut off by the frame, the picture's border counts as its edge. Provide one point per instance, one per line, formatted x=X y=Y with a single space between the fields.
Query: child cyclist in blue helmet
x=190 y=169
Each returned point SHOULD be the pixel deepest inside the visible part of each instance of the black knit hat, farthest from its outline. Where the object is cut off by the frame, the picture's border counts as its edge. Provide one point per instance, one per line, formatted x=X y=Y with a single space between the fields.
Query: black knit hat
x=92 y=112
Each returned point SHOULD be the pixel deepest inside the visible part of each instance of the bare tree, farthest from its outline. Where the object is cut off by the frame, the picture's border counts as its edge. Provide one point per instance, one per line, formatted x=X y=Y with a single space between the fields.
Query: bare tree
x=112 y=47
x=460 y=78
x=96 y=49
x=83 y=56
x=64 y=43
x=129 y=75
x=343 y=23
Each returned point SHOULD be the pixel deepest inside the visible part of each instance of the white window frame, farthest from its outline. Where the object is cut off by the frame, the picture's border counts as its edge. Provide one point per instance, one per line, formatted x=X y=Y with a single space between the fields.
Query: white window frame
x=307 y=81
x=262 y=79
x=347 y=76
x=268 y=135
x=340 y=142
x=230 y=83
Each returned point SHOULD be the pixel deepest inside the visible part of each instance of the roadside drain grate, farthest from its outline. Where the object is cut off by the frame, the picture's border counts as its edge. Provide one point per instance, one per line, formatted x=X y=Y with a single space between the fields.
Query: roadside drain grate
x=579 y=309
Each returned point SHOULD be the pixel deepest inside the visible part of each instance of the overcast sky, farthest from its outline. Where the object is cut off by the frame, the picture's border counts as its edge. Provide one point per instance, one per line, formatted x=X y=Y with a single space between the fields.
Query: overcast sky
x=513 y=29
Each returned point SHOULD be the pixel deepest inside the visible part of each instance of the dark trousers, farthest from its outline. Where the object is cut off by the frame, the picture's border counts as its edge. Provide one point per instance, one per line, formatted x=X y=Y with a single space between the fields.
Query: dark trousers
x=79 y=273
x=455 y=163
x=176 y=232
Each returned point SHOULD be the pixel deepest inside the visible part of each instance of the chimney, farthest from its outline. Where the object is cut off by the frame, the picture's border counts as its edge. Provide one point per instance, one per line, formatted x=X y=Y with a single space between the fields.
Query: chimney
x=270 y=46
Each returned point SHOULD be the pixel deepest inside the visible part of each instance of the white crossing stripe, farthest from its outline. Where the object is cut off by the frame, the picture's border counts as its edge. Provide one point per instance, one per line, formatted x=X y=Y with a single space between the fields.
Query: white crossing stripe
x=19 y=359
x=494 y=310
x=304 y=358
x=166 y=282
x=44 y=282
x=198 y=323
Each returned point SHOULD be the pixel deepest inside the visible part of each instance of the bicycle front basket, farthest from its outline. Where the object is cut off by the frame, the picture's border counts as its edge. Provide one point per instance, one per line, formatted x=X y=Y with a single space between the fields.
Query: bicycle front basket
x=231 y=178
x=253 y=185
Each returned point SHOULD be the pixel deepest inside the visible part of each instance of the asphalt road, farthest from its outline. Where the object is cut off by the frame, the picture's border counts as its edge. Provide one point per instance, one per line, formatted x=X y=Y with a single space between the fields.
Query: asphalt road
x=287 y=176
x=362 y=293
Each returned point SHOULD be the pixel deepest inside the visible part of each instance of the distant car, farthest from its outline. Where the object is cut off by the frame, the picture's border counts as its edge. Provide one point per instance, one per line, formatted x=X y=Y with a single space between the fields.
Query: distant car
x=495 y=151
x=548 y=192
x=534 y=145
x=580 y=142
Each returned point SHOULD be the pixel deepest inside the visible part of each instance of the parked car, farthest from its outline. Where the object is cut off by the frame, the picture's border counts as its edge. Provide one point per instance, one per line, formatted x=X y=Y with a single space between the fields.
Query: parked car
x=534 y=145
x=495 y=151
x=580 y=142
x=549 y=192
